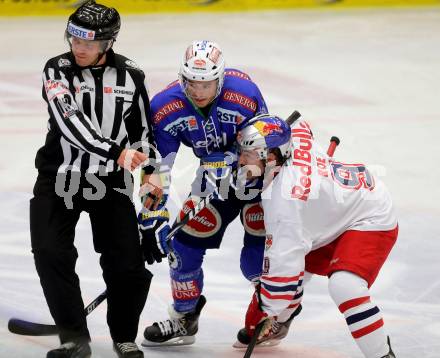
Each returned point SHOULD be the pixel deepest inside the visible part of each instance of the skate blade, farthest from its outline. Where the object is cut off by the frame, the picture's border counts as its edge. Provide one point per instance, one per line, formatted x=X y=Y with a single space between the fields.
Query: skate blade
x=265 y=344
x=178 y=341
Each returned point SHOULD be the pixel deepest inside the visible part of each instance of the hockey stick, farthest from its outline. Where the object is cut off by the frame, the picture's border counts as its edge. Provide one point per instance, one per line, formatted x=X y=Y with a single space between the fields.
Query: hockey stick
x=334 y=142
x=254 y=339
x=293 y=117
x=27 y=328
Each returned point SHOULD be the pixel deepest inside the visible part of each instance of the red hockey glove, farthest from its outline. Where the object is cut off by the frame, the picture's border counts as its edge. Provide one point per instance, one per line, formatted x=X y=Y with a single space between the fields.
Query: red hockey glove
x=254 y=315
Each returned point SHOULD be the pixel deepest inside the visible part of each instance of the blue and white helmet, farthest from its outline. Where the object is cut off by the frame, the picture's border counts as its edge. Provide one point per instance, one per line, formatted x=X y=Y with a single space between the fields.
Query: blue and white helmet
x=202 y=61
x=265 y=132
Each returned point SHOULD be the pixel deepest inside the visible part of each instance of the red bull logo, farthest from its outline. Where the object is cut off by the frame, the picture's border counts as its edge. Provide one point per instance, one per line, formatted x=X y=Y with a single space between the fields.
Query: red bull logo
x=266 y=129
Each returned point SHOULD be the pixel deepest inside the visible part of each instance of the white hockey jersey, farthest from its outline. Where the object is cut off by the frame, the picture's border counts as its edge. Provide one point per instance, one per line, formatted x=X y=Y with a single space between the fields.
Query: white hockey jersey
x=311 y=202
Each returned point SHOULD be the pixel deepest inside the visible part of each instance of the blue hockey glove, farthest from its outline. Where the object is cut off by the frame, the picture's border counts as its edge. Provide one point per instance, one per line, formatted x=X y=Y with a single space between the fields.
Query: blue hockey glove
x=154 y=229
x=216 y=174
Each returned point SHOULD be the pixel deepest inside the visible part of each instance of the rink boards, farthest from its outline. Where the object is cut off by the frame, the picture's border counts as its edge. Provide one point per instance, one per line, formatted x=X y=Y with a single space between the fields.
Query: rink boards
x=64 y=7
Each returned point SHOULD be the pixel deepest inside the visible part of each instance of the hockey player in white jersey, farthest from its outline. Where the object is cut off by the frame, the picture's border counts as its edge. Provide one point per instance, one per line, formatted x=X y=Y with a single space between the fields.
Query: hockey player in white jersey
x=323 y=217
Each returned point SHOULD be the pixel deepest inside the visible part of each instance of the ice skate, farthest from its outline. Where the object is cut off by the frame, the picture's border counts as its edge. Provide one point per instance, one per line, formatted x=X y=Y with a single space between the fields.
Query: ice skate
x=278 y=332
x=127 y=350
x=179 y=330
x=71 y=350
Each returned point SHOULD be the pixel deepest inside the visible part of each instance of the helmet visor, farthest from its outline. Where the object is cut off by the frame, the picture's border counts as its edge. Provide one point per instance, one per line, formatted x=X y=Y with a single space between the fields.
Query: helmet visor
x=88 y=45
x=200 y=91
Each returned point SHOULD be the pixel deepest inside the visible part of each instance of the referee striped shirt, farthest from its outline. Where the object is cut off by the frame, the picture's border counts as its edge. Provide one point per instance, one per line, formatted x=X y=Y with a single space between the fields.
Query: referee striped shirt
x=94 y=113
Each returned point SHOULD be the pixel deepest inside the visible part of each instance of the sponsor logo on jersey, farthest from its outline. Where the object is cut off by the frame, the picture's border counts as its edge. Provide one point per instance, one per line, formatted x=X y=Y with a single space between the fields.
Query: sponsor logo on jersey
x=210 y=140
x=64 y=62
x=268 y=243
x=205 y=224
x=302 y=159
x=85 y=88
x=170 y=107
x=109 y=90
x=123 y=91
x=178 y=125
x=253 y=219
x=192 y=124
x=237 y=74
x=215 y=165
x=186 y=290
x=227 y=116
x=240 y=99
x=80 y=32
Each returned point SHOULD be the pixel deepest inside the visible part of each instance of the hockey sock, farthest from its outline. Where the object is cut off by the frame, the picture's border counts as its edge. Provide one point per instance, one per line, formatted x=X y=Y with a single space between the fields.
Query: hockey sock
x=364 y=319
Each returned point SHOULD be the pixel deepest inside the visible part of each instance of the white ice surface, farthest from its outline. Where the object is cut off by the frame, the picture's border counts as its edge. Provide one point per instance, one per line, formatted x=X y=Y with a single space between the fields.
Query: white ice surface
x=370 y=77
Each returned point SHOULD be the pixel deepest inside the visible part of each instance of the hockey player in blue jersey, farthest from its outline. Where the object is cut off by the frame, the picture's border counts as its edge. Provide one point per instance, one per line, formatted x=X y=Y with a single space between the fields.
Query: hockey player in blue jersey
x=204 y=110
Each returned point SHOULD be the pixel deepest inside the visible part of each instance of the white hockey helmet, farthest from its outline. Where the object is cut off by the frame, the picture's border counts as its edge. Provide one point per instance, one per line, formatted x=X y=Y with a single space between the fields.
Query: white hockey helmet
x=202 y=61
x=265 y=132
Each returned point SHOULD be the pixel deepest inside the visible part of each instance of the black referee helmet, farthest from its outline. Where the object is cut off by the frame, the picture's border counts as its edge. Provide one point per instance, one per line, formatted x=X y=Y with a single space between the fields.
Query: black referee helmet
x=92 y=21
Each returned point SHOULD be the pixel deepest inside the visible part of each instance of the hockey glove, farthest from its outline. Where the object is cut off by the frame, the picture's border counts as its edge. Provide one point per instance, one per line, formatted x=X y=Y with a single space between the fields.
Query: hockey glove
x=255 y=315
x=154 y=229
x=216 y=174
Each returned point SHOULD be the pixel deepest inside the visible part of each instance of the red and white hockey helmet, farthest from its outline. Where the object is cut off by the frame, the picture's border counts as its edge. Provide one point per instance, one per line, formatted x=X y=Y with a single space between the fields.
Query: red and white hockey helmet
x=203 y=61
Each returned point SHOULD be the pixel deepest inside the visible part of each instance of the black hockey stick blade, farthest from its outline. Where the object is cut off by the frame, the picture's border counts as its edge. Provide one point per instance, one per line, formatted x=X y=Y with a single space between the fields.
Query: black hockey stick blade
x=26 y=328
x=254 y=339
x=293 y=117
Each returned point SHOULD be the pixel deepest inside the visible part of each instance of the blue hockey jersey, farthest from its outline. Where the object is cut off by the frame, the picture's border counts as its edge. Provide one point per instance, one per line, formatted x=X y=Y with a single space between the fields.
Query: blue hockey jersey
x=176 y=120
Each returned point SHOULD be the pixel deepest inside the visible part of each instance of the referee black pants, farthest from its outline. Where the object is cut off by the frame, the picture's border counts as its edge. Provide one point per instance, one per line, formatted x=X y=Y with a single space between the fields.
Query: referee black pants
x=115 y=238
